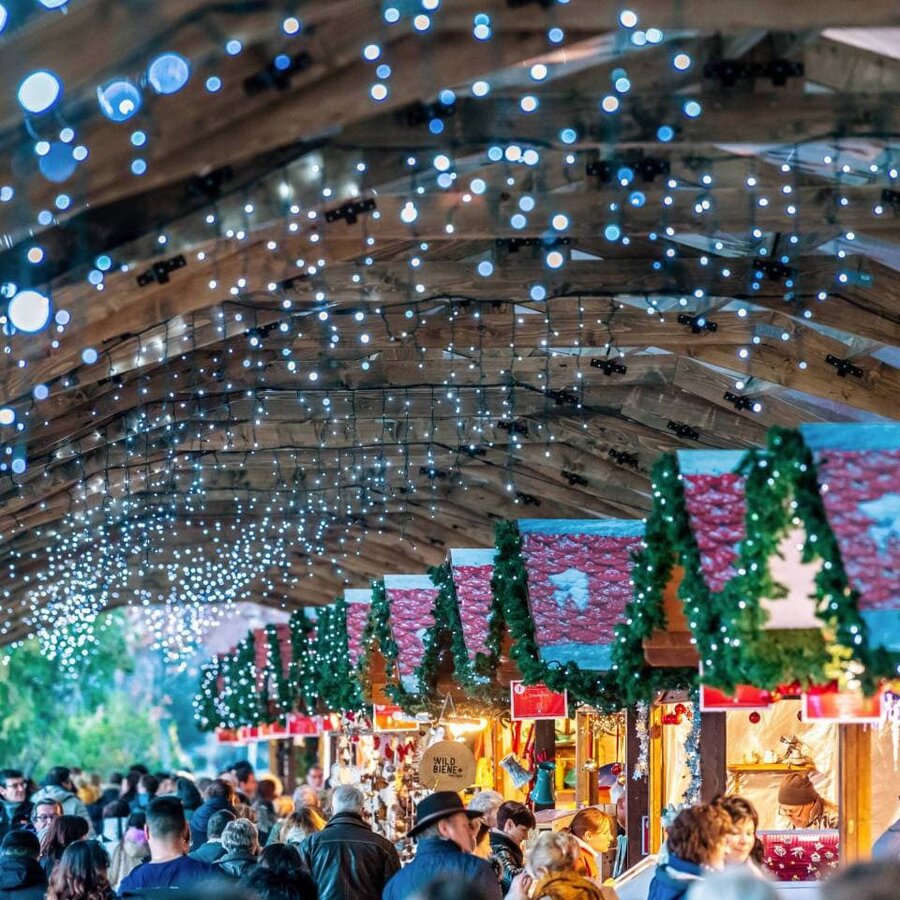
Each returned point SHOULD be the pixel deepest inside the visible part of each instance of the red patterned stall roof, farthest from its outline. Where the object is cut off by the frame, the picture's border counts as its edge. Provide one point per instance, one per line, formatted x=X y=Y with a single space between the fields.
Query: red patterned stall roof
x=716 y=508
x=357 y=603
x=411 y=600
x=472 y=571
x=858 y=469
x=579 y=581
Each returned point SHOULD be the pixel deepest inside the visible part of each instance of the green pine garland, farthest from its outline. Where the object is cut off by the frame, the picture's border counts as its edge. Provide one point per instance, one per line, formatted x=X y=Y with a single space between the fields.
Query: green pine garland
x=510 y=586
x=338 y=688
x=206 y=711
x=782 y=492
x=477 y=678
x=281 y=700
x=303 y=668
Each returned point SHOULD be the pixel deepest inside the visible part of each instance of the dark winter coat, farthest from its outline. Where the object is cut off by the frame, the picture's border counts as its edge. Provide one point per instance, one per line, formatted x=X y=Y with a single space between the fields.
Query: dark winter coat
x=20 y=818
x=437 y=858
x=237 y=864
x=673 y=879
x=508 y=857
x=210 y=852
x=348 y=861
x=21 y=878
x=200 y=819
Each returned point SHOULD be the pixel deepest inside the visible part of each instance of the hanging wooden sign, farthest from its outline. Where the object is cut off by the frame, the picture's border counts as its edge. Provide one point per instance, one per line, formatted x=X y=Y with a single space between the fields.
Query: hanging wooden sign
x=447 y=766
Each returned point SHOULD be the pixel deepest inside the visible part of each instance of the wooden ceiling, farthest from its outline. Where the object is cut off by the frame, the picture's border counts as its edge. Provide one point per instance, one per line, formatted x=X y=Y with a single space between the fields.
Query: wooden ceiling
x=385 y=325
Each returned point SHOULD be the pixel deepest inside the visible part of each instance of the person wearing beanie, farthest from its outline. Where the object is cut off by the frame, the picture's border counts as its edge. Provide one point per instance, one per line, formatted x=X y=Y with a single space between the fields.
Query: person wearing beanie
x=802 y=805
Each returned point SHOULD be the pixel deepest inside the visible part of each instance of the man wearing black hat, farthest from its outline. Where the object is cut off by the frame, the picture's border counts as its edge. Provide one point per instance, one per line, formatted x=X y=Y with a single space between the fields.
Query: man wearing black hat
x=802 y=805
x=446 y=840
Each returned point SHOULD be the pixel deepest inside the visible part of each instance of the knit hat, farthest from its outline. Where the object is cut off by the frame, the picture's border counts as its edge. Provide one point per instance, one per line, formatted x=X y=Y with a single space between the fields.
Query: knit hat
x=796 y=790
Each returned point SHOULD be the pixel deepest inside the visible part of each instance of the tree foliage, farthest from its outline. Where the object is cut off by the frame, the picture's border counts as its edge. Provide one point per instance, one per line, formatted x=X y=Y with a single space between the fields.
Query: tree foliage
x=83 y=714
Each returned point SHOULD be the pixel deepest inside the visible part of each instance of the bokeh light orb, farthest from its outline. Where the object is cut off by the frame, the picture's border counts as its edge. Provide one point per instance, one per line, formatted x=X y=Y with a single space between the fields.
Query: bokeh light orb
x=168 y=73
x=58 y=163
x=29 y=311
x=119 y=99
x=39 y=91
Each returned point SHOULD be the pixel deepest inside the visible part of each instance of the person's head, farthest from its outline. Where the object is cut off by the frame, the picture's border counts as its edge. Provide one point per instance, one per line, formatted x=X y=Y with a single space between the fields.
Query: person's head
x=304 y=795
x=798 y=800
x=13 y=786
x=116 y=809
x=245 y=777
x=315 y=777
x=266 y=790
x=63 y=830
x=283 y=859
x=864 y=881
x=136 y=827
x=81 y=873
x=700 y=835
x=167 y=829
x=186 y=791
x=20 y=843
x=487 y=803
x=266 y=884
x=553 y=851
x=300 y=824
x=217 y=822
x=745 y=821
x=59 y=776
x=595 y=828
x=515 y=820
x=148 y=784
x=733 y=884
x=140 y=769
x=347 y=799
x=442 y=815
x=115 y=780
x=44 y=814
x=240 y=836
x=128 y=788
x=450 y=887
x=220 y=789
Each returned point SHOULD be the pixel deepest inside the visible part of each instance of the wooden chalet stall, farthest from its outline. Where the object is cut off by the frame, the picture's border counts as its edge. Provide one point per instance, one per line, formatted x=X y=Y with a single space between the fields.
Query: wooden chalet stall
x=563 y=586
x=776 y=572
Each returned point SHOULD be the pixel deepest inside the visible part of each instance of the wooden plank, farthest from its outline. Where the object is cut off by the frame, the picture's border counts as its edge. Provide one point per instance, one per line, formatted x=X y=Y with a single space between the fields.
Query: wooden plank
x=855 y=792
x=713 y=774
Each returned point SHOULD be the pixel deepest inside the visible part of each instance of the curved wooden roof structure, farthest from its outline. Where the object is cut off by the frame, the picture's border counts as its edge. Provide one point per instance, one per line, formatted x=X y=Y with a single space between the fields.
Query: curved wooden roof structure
x=382 y=273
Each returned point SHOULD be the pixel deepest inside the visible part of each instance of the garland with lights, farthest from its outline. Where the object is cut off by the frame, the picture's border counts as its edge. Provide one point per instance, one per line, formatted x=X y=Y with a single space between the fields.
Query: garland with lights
x=783 y=492
x=476 y=677
x=303 y=671
x=338 y=688
x=692 y=751
x=277 y=683
x=206 y=708
x=510 y=585
x=667 y=538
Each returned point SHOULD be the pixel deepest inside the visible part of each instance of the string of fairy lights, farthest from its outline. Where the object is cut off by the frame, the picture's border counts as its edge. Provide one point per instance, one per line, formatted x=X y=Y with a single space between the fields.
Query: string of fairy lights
x=221 y=454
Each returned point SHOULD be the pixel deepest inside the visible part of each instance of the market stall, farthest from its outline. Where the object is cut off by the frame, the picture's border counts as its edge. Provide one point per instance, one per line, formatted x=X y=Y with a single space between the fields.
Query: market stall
x=745 y=571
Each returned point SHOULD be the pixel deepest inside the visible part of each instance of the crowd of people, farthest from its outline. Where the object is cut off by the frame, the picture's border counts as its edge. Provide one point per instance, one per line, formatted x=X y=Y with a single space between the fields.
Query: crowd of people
x=237 y=837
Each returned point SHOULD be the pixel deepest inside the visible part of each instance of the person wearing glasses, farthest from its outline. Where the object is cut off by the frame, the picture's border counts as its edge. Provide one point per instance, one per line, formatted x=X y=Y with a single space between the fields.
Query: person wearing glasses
x=15 y=808
x=44 y=814
x=802 y=805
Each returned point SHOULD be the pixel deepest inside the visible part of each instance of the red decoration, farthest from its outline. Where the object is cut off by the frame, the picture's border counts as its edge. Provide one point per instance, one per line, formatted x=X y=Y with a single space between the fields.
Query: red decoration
x=680 y=709
x=616 y=769
x=755 y=718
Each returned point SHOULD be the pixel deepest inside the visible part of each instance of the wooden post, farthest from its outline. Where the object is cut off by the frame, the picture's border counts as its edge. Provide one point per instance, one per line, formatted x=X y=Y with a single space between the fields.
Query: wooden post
x=544 y=745
x=855 y=792
x=713 y=773
x=636 y=793
x=655 y=778
x=585 y=784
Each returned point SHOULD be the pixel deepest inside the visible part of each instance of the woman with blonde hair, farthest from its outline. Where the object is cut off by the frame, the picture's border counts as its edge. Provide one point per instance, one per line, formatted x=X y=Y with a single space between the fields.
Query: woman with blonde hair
x=553 y=864
x=300 y=825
